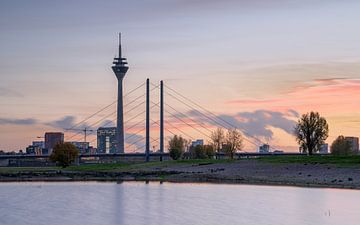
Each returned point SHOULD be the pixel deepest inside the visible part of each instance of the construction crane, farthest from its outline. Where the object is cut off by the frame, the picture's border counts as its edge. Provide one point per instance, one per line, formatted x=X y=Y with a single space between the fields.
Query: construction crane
x=85 y=130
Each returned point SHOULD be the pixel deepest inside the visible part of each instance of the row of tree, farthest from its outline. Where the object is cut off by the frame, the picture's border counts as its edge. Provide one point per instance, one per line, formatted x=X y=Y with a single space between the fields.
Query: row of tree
x=311 y=131
x=228 y=143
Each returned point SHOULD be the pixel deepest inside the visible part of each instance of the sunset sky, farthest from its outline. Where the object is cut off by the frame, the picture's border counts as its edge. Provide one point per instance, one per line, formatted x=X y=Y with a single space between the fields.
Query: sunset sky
x=258 y=64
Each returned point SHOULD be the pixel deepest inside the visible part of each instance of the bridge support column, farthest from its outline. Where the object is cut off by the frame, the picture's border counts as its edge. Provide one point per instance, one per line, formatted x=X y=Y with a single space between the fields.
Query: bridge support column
x=161 y=119
x=147 y=144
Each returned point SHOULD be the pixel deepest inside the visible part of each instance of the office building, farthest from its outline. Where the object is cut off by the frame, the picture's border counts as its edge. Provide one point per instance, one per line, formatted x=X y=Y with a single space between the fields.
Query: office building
x=81 y=146
x=40 y=144
x=52 y=139
x=324 y=149
x=354 y=143
x=197 y=142
x=265 y=148
x=106 y=140
x=33 y=150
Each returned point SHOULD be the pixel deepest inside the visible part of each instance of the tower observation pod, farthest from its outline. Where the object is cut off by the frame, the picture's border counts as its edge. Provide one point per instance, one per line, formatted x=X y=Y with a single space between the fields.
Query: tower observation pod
x=120 y=68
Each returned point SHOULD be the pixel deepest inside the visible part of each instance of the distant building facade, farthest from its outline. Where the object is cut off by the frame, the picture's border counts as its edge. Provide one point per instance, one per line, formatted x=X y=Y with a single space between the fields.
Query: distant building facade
x=197 y=142
x=106 y=140
x=354 y=143
x=33 y=150
x=265 y=148
x=52 y=139
x=40 y=144
x=324 y=149
x=81 y=146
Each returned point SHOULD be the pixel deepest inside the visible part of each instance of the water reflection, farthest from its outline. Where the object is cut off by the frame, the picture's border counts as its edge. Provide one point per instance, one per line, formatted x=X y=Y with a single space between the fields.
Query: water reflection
x=169 y=203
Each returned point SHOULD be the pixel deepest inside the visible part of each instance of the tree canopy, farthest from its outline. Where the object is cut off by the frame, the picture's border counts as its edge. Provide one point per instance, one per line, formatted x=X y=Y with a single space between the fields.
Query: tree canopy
x=311 y=131
x=234 y=142
x=177 y=145
x=64 y=154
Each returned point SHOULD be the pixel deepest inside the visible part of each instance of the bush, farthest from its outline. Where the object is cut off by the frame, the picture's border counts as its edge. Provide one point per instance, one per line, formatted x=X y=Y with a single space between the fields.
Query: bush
x=202 y=152
x=341 y=147
x=199 y=152
x=177 y=146
x=209 y=151
x=175 y=153
x=64 y=154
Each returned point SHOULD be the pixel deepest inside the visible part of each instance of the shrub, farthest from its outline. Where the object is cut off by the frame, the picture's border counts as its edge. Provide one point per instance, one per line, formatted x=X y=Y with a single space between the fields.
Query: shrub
x=64 y=154
x=175 y=153
x=341 y=147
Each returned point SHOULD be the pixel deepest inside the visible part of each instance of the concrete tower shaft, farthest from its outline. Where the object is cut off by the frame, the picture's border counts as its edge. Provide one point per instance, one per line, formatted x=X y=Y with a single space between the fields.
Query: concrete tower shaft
x=120 y=68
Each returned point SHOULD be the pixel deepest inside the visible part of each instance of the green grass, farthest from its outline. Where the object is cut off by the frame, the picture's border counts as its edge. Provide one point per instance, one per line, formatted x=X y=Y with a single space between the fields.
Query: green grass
x=340 y=161
x=336 y=160
x=25 y=169
x=118 y=167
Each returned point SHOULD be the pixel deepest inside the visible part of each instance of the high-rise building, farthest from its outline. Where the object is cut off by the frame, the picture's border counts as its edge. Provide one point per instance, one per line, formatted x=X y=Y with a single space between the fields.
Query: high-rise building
x=354 y=142
x=120 y=68
x=52 y=139
x=106 y=140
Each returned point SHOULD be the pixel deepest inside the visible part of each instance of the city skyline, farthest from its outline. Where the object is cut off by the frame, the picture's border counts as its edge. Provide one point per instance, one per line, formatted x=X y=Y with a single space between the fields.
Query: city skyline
x=265 y=69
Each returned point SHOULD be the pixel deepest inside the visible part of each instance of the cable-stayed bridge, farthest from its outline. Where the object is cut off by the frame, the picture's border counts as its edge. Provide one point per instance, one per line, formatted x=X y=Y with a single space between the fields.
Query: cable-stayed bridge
x=143 y=111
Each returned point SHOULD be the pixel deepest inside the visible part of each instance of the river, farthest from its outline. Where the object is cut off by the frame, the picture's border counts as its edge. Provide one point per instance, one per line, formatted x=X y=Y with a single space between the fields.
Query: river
x=137 y=203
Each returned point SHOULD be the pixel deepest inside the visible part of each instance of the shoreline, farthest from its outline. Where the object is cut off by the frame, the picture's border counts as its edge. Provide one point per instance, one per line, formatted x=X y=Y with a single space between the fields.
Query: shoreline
x=182 y=181
x=251 y=172
x=179 y=178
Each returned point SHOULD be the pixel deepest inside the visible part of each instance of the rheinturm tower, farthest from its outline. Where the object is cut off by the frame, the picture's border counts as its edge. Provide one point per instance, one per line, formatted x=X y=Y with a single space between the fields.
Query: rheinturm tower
x=120 y=68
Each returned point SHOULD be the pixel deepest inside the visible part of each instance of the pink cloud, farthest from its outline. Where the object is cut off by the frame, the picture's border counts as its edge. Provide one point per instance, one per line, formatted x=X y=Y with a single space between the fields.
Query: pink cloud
x=329 y=96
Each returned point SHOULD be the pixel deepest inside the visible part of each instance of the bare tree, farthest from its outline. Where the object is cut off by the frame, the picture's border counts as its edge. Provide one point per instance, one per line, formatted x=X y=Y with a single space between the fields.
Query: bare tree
x=217 y=138
x=234 y=141
x=311 y=132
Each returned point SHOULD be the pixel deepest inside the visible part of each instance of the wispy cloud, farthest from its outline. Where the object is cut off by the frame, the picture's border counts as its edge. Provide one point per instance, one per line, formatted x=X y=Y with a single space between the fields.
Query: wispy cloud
x=7 y=92
x=63 y=123
x=257 y=123
x=29 y=121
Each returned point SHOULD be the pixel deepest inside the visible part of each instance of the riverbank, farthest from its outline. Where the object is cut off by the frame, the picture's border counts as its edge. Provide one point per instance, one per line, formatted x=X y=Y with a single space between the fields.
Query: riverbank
x=304 y=172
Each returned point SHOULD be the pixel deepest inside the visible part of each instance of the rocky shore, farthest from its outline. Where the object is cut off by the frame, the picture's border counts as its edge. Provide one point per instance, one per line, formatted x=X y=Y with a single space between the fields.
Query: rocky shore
x=241 y=171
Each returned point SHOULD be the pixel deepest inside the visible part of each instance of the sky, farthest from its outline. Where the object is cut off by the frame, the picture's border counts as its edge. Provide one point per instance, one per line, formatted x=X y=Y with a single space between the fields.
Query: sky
x=258 y=64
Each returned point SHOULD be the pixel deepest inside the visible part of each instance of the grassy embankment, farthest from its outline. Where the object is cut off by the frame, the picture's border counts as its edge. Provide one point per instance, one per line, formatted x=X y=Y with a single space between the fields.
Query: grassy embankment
x=340 y=161
x=117 y=167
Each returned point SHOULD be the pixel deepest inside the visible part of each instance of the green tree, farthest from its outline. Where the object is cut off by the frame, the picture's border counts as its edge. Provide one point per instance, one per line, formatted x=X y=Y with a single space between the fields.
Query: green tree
x=217 y=138
x=177 y=146
x=64 y=154
x=199 y=152
x=311 y=131
x=341 y=146
x=234 y=142
x=202 y=151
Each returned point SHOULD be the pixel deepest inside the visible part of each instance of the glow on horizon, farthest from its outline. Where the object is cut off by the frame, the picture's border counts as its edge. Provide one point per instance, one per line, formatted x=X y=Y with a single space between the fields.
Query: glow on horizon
x=277 y=55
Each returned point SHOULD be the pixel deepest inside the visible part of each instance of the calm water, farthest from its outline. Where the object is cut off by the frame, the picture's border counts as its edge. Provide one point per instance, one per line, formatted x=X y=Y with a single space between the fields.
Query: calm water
x=171 y=204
